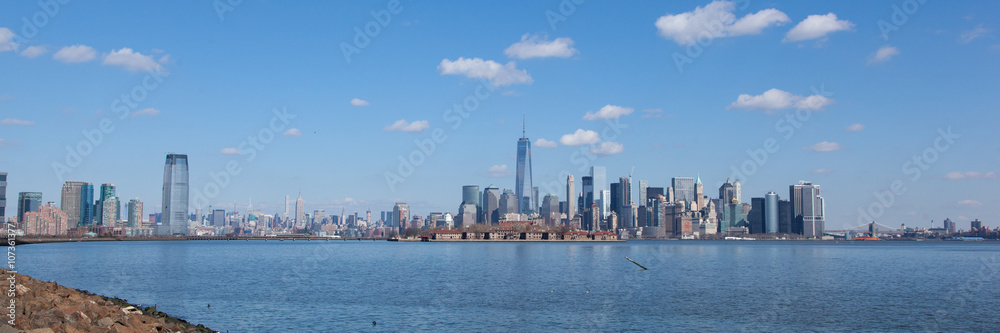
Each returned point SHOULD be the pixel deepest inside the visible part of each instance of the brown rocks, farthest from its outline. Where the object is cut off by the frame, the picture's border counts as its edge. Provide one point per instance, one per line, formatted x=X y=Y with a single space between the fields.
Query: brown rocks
x=49 y=307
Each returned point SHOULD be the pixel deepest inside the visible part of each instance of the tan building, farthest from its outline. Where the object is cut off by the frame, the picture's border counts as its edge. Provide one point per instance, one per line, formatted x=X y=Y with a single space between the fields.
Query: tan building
x=447 y=235
x=48 y=221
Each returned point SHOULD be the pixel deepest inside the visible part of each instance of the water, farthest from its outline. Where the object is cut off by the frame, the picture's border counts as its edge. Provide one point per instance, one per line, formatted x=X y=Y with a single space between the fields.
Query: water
x=323 y=286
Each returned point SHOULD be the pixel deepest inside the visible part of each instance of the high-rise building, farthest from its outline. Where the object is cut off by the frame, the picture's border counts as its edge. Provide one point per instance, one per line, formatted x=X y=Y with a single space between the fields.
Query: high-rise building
x=641 y=199
x=87 y=205
x=3 y=197
x=46 y=220
x=534 y=199
x=771 y=212
x=652 y=195
x=401 y=214
x=616 y=196
x=491 y=205
x=684 y=190
x=524 y=184
x=599 y=180
x=70 y=202
x=175 y=196
x=949 y=225
x=550 y=210
x=219 y=218
x=699 y=195
x=570 y=197
x=756 y=216
x=588 y=192
x=107 y=193
x=784 y=216
x=625 y=196
x=976 y=224
x=467 y=213
x=134 y=213
x=471 y=195
x=28 y=202
x=807 y=209
x=605 y=203
x=508 y=202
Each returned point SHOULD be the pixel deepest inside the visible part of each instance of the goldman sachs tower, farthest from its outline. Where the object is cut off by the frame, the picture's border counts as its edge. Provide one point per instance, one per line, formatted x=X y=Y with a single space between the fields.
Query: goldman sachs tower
x=524 y=189
x=175 y=196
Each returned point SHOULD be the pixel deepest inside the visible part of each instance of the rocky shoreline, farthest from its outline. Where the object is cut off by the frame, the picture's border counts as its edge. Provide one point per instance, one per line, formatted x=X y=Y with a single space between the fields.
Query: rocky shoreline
x=40 y=306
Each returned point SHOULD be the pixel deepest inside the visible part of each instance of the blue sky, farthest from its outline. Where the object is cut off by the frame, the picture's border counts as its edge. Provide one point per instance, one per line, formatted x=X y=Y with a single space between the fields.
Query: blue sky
x=213 y=78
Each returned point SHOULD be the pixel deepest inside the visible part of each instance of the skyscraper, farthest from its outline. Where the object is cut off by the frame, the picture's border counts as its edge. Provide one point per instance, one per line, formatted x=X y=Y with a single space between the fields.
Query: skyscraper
x=86 y=205
x=756 y=216
x=284 y=216
x=508 y=202
x=588 y=192
x=470 y=195
x=605 y=203
x=771 y=212
x=27 y=202
x=599 y=178
x=46 y=220
x=491 y=204
x=400 y=214
x=624 y=197
x=135 y=213
x=643 y=185
x=106 y=208
x=300 y=211
x=807 y=209
x=219 y=218
x=570 y=197
x=70 y=202
x=727 y=192
x=175 y=196
x=524 y=184
x=3 y=197
x=683 y=190
x=550 y=210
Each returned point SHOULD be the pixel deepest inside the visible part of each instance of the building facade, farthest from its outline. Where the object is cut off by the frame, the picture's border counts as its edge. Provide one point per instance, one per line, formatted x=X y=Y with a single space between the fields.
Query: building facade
x=28 y=202
x=175 y=196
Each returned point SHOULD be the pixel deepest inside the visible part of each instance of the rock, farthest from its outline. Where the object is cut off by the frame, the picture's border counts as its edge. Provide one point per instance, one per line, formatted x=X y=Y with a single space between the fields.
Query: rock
x=42 y=330
x=105 y=322
x=7 y=329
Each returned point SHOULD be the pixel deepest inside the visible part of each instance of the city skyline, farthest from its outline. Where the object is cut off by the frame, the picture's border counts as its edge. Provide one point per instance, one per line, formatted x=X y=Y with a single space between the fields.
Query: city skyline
x=865 y=126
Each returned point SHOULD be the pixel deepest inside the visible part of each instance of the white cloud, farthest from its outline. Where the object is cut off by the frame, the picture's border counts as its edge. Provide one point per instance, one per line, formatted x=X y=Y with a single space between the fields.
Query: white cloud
x=359 y=102
x=7 y=40
x=608 y=112
x=4 y=143
x=132 y=61
x=292 y=132
x=230 y=151
x=33 y=51
x=542 y=143
x=652 y=113
x=498 y=171
x=539 y=47
x=959 y=175
x=821 y=171
x=18 y=122
x=775 y=99
x=477 y=68
x=6 y=97
x=716 y=20
x=580 y=137
x=403 y=126
x=824 y=146
x=607 y=148
x=970 y=203
x=814 y=102
x=855 y=128
x=883 y=54
x=817 y=26
x=971 y=35
x=75 y=54
x=146 y=112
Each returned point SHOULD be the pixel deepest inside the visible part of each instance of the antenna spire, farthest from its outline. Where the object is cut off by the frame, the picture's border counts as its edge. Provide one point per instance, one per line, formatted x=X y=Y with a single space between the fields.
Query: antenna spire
x=524 y=124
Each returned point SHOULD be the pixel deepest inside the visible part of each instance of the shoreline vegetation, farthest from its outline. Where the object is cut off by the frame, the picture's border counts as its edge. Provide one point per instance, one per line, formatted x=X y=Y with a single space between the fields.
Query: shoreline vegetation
x=39 y=306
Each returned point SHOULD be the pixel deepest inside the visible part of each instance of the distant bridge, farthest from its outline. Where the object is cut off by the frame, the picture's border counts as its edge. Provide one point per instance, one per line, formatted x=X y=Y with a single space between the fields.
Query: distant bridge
x=872 y=229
